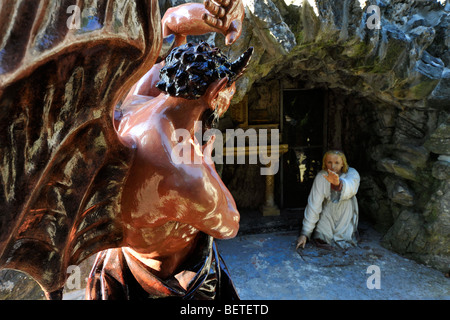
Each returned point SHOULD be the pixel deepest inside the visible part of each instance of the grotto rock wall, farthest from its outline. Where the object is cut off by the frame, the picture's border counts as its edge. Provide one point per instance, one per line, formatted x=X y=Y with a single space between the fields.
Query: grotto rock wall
x=390 y=83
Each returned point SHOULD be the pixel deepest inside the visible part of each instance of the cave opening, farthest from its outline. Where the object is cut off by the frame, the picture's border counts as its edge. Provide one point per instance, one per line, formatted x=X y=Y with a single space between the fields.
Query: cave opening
x=318 y=119
x=311 y=118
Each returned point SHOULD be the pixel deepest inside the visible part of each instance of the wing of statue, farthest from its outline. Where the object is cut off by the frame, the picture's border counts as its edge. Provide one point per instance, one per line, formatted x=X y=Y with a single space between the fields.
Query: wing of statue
x=63 y=67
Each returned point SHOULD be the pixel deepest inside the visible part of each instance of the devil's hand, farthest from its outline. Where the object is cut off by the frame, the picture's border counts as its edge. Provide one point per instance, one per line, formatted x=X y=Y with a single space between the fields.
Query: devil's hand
x=227 y=16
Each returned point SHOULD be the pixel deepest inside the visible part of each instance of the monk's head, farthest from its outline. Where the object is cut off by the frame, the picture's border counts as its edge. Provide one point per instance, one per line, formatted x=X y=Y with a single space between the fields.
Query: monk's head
x=335 y=160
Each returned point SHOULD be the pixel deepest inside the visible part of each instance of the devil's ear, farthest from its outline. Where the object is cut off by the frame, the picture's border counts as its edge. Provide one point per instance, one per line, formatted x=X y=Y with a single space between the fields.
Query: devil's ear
x=214 y=89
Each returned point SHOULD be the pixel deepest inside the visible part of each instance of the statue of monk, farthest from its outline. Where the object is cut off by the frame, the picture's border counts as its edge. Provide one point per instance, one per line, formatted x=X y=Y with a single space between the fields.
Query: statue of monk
x=331 y=216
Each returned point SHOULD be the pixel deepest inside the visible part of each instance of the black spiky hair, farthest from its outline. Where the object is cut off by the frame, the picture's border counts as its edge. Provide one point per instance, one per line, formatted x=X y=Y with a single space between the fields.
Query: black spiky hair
x=189 y=69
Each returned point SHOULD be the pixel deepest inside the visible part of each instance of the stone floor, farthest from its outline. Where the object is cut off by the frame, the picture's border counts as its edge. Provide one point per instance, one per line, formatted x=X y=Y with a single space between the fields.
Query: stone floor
x=267 y=267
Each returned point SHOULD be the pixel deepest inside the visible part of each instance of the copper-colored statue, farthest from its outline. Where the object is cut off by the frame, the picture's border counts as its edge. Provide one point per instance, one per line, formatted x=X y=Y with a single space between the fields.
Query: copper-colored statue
x=73 y=184
x=165 y=204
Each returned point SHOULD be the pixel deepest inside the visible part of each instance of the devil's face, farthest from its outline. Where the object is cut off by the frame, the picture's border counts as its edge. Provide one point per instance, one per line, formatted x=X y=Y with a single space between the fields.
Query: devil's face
x=223 y=99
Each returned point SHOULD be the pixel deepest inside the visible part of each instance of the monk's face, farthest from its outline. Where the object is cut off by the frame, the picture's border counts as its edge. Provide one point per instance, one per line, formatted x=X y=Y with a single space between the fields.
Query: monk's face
x=334 y=163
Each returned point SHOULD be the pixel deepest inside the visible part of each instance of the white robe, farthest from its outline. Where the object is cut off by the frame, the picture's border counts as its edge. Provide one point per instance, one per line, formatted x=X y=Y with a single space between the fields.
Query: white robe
x=331 y=215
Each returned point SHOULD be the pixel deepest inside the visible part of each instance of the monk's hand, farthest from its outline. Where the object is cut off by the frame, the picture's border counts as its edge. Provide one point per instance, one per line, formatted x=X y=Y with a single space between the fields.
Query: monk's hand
x=301 y=241
x=332 y=178
x=227 y=16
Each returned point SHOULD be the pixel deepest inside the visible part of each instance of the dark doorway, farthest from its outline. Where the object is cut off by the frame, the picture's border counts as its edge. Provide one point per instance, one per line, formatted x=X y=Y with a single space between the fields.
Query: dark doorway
x=303 y=130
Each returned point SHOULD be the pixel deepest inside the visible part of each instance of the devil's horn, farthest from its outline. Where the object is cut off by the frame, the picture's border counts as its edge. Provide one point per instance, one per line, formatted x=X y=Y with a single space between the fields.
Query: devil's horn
x=241 y=63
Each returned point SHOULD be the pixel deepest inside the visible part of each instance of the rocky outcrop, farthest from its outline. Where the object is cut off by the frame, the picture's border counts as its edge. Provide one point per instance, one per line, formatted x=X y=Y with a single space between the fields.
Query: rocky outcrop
x=400 y=72
x=389 y=63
